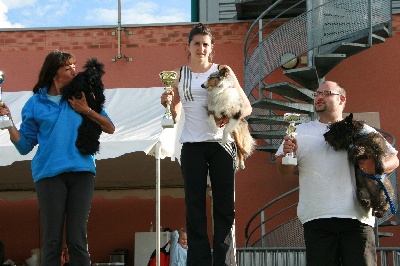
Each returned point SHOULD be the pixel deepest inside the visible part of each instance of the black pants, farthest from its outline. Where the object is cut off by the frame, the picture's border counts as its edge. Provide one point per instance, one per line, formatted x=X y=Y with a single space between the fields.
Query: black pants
x=197 y=161
x=65 y=197
x=337 y=241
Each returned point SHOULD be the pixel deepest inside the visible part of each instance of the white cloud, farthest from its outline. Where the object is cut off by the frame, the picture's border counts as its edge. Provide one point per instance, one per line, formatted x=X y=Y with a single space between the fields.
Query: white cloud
x=102 y=16
x=4 y=22
x=139 y=13
x=61 y=13
x=18 y=3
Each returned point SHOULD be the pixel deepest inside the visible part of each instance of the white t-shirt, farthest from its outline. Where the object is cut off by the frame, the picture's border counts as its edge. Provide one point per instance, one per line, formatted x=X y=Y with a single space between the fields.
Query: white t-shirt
x=326 y=178
x=193 y=97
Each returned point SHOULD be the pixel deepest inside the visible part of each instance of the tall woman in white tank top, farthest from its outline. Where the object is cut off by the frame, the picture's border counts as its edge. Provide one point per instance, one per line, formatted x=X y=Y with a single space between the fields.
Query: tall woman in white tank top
x=203 y=154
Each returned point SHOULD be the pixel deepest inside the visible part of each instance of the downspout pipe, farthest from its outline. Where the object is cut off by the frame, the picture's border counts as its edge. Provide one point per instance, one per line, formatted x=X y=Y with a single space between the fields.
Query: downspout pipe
x=195 y=10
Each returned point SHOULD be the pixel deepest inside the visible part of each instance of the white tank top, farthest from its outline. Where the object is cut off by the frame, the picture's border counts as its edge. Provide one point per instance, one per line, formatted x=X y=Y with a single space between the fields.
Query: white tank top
x=193 y=97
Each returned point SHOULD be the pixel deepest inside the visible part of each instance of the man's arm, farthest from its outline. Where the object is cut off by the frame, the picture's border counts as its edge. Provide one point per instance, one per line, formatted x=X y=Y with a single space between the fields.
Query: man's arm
x=390 y=163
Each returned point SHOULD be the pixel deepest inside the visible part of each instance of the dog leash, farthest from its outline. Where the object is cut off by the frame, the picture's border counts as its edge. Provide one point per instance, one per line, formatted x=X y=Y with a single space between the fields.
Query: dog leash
x=378 y=178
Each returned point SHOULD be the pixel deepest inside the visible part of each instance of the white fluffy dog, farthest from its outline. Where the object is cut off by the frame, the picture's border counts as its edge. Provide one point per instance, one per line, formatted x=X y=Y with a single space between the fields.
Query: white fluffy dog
x=224 y=101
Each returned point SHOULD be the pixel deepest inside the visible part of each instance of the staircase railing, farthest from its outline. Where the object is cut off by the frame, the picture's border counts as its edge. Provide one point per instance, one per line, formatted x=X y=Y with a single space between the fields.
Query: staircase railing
x=325 y=30
x=278 y=225
x=297 y=257
x=328 y=23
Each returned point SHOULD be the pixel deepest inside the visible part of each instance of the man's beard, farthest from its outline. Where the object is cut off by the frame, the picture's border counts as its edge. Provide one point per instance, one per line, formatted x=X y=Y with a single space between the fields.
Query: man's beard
x=320 y=109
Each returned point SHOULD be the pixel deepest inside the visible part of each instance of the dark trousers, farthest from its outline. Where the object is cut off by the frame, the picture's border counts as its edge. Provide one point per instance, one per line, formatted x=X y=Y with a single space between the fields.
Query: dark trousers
x=197 y=161
x=337 y=241
x=65 y=197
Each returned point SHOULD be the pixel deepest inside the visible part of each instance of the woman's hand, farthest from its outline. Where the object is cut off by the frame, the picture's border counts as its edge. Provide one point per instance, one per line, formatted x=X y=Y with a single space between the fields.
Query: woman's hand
x=13 y=131
x=221 y=122
x=80 y=105
x=166 y=97
x=4 y=110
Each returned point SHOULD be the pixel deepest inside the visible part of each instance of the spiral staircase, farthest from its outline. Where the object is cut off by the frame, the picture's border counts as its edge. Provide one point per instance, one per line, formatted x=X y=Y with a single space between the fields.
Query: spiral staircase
x=326 y=33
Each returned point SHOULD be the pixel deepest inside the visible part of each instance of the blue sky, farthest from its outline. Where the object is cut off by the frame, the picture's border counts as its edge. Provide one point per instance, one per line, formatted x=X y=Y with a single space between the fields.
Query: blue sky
x=71 y=13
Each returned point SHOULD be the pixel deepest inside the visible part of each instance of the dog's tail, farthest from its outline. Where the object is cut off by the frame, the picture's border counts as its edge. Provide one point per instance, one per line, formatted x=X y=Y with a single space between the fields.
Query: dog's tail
x=248 y=143
x=94 y=63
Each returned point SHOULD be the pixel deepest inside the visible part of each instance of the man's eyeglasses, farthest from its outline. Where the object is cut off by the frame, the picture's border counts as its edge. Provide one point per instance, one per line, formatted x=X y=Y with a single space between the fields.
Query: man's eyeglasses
x=324 y=93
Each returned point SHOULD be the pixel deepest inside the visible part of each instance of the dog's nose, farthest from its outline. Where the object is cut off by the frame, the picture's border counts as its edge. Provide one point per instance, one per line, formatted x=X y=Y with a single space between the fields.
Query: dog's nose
x=202 y=85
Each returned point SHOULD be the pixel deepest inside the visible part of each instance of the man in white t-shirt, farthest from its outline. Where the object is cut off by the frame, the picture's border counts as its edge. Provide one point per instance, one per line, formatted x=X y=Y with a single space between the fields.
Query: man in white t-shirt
x=337 y=229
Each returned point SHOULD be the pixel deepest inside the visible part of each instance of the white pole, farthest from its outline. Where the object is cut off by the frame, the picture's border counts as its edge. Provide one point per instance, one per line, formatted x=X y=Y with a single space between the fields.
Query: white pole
x=157 y=155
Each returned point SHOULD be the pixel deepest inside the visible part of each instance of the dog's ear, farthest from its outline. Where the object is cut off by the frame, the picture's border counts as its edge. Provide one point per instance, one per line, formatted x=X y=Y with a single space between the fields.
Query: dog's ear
x=350 y=116
x=93 y=63
x=224 y=72
x=349 y=119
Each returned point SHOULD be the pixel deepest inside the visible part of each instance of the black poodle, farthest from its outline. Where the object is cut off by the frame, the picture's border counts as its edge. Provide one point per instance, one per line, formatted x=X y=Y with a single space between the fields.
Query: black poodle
x=89 y=82
x=373 y=191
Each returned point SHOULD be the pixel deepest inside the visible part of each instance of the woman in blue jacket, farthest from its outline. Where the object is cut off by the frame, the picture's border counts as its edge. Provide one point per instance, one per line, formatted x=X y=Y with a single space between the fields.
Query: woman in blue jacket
x=64 y=178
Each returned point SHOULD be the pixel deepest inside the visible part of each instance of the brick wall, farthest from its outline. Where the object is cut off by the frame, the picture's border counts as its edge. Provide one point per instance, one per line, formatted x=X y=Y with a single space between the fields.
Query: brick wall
x=107 y=37
x=131 y=36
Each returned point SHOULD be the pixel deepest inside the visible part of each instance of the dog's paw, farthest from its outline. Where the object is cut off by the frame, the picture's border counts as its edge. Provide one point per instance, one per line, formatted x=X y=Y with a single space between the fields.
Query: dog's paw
x=225 y=138
x=241 y=165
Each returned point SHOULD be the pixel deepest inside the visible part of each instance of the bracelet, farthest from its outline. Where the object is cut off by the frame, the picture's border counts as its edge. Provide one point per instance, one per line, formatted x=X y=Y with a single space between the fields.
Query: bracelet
x=90 y=109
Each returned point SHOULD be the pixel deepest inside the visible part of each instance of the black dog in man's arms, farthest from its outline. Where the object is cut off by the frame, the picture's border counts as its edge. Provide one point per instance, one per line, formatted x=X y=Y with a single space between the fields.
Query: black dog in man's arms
x=89 y=82
x=350 y=135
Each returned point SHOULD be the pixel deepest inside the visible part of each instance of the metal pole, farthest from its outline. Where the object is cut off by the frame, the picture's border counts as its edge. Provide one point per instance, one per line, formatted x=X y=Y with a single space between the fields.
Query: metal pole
x=119 y=29
x=260 y=59
x=262 y=229
x=157 y=155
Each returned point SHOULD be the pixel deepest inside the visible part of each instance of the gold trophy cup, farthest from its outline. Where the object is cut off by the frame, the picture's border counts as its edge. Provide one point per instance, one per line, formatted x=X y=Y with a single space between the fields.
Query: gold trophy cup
x=168 y=78
x=5 y=121
x=291 y=118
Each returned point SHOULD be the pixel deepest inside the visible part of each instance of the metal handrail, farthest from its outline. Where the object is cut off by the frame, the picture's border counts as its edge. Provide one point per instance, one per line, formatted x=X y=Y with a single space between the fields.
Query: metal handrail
x=247 y=235
x=304 y=35
x=295 y=256
x=260 y=17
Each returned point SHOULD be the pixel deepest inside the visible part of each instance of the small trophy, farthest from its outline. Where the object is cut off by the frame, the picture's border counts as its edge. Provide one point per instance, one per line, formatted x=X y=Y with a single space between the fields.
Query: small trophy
x=5 y=121
x=291 y=118
x=168 y=78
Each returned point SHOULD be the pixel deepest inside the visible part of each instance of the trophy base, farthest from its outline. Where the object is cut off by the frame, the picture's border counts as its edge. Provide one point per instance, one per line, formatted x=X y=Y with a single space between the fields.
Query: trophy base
x=288 y=160
x=167 y=123
x=4 y=124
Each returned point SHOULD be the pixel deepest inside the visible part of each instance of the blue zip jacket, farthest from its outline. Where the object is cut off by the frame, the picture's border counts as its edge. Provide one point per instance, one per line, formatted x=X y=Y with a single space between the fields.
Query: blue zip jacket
x=55 y=128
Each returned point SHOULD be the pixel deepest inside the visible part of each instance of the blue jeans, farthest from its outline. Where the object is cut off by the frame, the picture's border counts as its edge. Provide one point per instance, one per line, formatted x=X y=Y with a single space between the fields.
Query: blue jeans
x=197 y=161
x=338 y=241
x=65 y=197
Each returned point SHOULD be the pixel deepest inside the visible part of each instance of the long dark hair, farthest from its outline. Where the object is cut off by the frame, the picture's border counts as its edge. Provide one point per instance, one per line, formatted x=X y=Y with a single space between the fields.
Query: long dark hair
x=201 y=29
x=51 y=64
